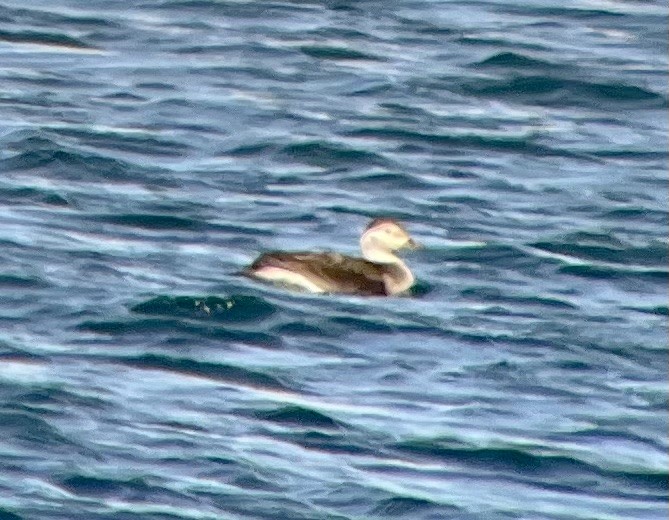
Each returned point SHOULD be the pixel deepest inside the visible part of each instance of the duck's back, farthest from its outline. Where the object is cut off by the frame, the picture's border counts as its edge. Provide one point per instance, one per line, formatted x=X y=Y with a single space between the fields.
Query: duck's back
x=322 y=272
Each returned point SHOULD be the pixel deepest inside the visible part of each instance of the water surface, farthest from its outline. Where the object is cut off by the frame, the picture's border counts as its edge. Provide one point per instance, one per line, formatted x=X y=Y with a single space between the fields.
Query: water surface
x=151 y=150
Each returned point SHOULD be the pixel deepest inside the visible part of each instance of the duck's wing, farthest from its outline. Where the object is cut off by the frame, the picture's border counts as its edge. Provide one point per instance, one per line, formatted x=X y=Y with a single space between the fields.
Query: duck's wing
x=331 y=272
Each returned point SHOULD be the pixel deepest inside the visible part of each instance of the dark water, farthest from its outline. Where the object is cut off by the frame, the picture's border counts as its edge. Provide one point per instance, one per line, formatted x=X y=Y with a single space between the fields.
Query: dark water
x=149 y=150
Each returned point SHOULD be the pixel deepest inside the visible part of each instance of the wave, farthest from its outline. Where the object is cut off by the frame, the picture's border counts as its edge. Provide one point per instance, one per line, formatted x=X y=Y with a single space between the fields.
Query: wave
x=215 y=371
x=515 y=60
x=133 y=142
x=43 y=17
x=323 y=154
x=602 y=257
x=38 y=196
x=100 y=487
x=499 y=43
x=8 y=281
x=640 y=214
x=25 y=427
x=329 y=442
x=412 y=507
x=53 y=401
x=549 y=90
x=604 y=248
x=492 y=295
x=384 y=180
x=659 y=310
x=44 y=38
x=326 y=52
x=560 y=12
x=250 y=481
x=298 y=416
x=551 y=468
x=47 y=157
x=523 y=145
x=315 y=153
x=610 y=272
x=151 y=221
x=200 y=329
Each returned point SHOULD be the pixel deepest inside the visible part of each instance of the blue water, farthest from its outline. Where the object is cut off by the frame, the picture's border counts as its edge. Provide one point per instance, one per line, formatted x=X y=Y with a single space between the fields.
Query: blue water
x=150 y=150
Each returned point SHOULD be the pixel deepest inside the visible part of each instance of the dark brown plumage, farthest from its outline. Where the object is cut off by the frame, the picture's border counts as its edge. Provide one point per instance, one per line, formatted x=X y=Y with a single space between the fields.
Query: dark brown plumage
x=361 y=276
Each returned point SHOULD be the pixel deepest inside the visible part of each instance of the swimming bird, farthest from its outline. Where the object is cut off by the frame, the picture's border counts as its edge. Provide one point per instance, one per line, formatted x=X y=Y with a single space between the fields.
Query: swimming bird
x=379 y=272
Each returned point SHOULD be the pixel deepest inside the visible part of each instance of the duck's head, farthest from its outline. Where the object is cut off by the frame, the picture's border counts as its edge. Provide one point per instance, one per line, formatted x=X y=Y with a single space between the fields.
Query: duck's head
x=387 y=234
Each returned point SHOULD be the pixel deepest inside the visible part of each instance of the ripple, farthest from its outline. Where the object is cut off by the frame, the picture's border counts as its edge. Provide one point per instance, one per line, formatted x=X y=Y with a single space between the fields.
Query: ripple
x=605 y=248
x=324 y=52
x=524 y=463
x=151 y=221
x=36 y=196
x=552 y=90
x=578 y=13
x=202 y=329
x=30 y=428
x=413 y=507
x=515 y=60
x=659 y=310
x=55 y=401
x=328 y=442
x=127 y=141
x=361 y=323
x=330 y=155
x=491 y=254
x=490 y=295
x=55 y=160
x=8 y=281
x=524 y=145
x=387 y=180
x=214 y=371
x=609 y=272
x=101 y=487
x=44 y=38
x=254 y=483
x=41 y=16
x=298 y=416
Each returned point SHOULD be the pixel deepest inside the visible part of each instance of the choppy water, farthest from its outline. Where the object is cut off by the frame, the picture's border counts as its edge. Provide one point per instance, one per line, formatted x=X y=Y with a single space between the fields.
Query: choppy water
x=149 y=150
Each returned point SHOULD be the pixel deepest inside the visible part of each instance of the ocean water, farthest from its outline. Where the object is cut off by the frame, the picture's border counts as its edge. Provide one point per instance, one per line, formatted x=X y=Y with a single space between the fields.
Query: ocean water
x=150 y=150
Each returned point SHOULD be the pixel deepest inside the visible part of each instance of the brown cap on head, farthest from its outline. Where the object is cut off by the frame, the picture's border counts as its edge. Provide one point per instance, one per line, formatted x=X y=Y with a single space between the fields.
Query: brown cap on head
x=383 y=220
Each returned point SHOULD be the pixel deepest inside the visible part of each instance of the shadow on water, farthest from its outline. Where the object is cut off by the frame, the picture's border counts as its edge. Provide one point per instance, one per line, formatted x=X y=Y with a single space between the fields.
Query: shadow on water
x=175 y=318
x=7 y=515
x=234 y=309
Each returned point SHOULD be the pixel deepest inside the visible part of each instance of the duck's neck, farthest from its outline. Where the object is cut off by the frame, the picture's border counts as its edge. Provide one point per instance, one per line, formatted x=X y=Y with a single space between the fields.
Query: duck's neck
x=398 y=277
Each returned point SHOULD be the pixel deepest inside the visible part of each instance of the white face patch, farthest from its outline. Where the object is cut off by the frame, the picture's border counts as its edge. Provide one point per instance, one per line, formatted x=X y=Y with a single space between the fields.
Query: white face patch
x=388 y=234
x=386 y=228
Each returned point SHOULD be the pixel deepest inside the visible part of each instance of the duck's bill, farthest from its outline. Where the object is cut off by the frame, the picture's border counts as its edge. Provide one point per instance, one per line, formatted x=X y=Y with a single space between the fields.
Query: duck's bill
x=412 y=244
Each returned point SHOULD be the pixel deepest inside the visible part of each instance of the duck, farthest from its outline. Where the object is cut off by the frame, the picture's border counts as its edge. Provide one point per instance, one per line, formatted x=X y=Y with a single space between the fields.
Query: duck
x=380 y=272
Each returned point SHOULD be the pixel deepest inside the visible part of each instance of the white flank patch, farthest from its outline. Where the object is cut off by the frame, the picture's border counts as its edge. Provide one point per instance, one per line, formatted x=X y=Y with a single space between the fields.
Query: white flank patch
x=284 y=276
